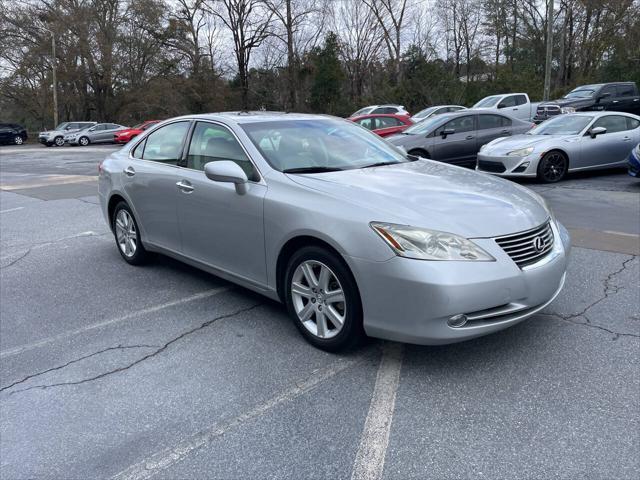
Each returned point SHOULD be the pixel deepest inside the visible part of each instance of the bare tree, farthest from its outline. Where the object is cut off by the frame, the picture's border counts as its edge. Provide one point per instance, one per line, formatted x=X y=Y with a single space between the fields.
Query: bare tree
x=249 y=22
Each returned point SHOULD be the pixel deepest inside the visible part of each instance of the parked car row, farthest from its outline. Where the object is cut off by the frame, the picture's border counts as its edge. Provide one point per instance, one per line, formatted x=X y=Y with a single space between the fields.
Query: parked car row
x=85 y=133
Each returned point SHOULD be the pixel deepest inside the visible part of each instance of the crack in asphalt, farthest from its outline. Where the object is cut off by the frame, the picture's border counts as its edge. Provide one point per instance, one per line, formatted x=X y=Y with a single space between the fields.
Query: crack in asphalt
x=158 y=350
x=71 y=362
x=608 y=290
x=33 y=246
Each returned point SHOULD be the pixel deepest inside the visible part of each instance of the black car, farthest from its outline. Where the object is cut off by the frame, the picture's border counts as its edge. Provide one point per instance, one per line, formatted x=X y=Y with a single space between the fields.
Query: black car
x=617 y=97
x=12 y=133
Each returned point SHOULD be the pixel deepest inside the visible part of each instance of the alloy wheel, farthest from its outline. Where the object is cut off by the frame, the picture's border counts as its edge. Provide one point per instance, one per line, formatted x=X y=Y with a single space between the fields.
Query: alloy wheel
x=318 y=299
x=554 y=168
x=18 y=140
x=59 y=141
x=126 y=233
x=84 y=141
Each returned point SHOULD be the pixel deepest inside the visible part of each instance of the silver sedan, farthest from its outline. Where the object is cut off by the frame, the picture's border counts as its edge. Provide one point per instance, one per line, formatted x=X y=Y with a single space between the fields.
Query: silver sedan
x=567 y=143
x=99 y=133
x=353 y=235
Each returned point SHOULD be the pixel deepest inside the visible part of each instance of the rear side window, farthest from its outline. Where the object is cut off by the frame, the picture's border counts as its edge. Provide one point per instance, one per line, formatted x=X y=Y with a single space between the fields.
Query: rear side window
x=486 y=122
x=165 y=144
x=632 y=123
x=626 y=91
x=613 y=123
x=366 y=123
x=215 y=143
x=521 y=99
x=388 y=122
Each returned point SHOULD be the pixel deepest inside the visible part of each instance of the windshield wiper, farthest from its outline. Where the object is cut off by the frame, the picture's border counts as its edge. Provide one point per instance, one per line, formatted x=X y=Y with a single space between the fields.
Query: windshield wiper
x=379 y=164
x=312 y=170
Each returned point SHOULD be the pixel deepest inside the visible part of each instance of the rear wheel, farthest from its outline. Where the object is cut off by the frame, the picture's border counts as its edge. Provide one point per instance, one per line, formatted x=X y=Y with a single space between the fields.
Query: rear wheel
x=58 y=141
x=18 y=140
x=323 y=299
x=127 y=235
x=418 y=152
x=553 y=167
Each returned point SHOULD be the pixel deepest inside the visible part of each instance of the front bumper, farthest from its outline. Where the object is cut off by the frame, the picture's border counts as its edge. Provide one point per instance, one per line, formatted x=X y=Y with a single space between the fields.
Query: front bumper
x=508 y=166
x=411 y=301
x=43 y=139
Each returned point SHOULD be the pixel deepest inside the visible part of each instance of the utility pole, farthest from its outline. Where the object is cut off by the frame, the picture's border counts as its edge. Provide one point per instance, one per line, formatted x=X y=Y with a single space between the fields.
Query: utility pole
x=55 y=82
x=547 y=67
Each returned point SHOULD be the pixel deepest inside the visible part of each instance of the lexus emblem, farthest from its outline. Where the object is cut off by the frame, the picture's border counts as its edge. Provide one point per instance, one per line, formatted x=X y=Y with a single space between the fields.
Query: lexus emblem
x=538 y=244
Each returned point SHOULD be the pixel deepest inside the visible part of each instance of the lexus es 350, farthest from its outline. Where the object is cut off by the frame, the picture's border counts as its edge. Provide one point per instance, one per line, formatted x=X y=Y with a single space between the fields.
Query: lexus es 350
x=353 y=235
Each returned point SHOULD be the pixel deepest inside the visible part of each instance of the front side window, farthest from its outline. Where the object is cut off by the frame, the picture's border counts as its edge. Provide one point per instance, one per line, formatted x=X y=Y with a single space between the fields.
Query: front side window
x=487 y=102
x=165 y=144
x=215 y=143
x=319 y=144
x=509 y=101
x=459 y=125
x=366 y=123
x=613 y=123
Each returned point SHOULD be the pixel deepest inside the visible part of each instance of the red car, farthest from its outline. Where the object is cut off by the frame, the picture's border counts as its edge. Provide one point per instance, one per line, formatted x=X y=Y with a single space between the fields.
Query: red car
x=383 y=124
x=124 y=136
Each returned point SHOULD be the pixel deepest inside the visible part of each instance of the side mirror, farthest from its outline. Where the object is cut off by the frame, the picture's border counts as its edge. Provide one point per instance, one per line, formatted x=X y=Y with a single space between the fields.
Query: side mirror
x=603 y=96
x=501 y=105
x=228 y=172
x=92 y=129
x=447 y=131
x=594 y=132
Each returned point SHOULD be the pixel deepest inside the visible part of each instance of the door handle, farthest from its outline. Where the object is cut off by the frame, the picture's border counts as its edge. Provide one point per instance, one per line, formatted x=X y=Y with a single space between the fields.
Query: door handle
x=470 y=137
x=185 y=186
x=614 y=101
x=515 y=109
x=626 y=139
x=129 y=171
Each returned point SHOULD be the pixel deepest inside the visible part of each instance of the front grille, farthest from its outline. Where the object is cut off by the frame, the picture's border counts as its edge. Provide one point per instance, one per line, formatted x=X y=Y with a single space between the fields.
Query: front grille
x=548 y=110
x=529 y=246
x=495 y=167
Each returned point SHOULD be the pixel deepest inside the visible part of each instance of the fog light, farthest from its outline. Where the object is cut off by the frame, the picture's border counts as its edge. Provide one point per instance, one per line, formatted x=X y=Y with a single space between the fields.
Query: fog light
x=457 y=321
x=521 y=168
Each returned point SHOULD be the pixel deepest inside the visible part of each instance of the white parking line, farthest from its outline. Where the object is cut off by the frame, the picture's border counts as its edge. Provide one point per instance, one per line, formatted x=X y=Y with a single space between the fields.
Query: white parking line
x=369 y=463
x=23 y=348
x=11 y=210
x=163 y=459
x=624 y=234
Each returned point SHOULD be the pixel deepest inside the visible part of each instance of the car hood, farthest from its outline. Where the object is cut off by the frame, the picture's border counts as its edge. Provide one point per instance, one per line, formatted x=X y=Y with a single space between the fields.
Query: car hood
x=434 y=195
x=570 y=102
x=504 y=145
x=407 y=139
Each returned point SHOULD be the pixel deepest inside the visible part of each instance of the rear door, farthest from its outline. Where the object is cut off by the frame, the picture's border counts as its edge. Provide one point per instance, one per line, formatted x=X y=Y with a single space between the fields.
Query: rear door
x=149 y=179
x=459 y=147
x=492 y=126
x=386 y=126
x=611 y=147
x=626 y=99
x=107 y=134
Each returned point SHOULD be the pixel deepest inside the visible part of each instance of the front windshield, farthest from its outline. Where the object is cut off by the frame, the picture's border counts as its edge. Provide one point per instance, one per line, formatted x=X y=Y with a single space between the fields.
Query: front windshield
x=323 y=144
x=363 y=111
x=427 y=125
x=580 y=93
x=62 y=126
x=425 y=113
x=562 y=125
x=487 y=102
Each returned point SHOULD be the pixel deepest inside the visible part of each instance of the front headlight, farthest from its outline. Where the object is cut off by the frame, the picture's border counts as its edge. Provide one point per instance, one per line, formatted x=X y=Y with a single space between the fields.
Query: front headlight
x=423 y=244
x=521 y=152
x=567 y=110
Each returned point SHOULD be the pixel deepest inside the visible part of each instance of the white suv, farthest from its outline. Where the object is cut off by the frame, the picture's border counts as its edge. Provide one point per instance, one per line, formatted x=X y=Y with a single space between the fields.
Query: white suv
x=386 y=109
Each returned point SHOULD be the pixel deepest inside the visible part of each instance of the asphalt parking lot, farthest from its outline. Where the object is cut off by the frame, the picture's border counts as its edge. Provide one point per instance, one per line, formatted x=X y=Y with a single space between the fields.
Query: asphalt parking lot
x=163 y=371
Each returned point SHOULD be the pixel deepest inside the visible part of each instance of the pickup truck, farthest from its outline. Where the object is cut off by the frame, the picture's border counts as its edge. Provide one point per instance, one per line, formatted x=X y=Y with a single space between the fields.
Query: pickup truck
x=618 y=97
x=516 y=105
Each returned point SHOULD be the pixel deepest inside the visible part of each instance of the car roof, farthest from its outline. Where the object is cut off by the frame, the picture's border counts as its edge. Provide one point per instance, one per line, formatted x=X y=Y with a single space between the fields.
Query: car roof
x=243 y=117
x=601 y=114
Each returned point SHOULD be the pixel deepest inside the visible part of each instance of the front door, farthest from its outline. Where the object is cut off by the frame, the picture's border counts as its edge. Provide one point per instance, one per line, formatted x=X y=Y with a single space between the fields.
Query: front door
x=150 y=183
x=458 y=147
x=611 y=147
x=218 y=226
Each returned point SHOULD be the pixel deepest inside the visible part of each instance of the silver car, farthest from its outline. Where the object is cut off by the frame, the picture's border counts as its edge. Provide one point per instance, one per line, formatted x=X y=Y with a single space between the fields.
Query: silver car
x=567 y=143
x=99 y=133
x=353 y=235
x=437 y=110
x=56 y=136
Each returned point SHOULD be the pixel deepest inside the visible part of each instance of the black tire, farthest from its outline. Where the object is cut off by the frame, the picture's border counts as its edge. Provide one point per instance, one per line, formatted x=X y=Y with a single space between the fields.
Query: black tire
x=419 y=152
x=140 y=255
x=84 y=141
x=58 y=141
x=48 y=144
x=553 y=167
x=18 y=140
x=351 y=333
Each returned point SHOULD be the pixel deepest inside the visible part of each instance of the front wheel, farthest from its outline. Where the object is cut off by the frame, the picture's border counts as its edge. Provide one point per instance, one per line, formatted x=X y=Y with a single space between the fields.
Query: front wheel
x=18 y=140
x=552 y=167
x=323 y=299
x=59 y=141
x=83 y=141
x=127 y=234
